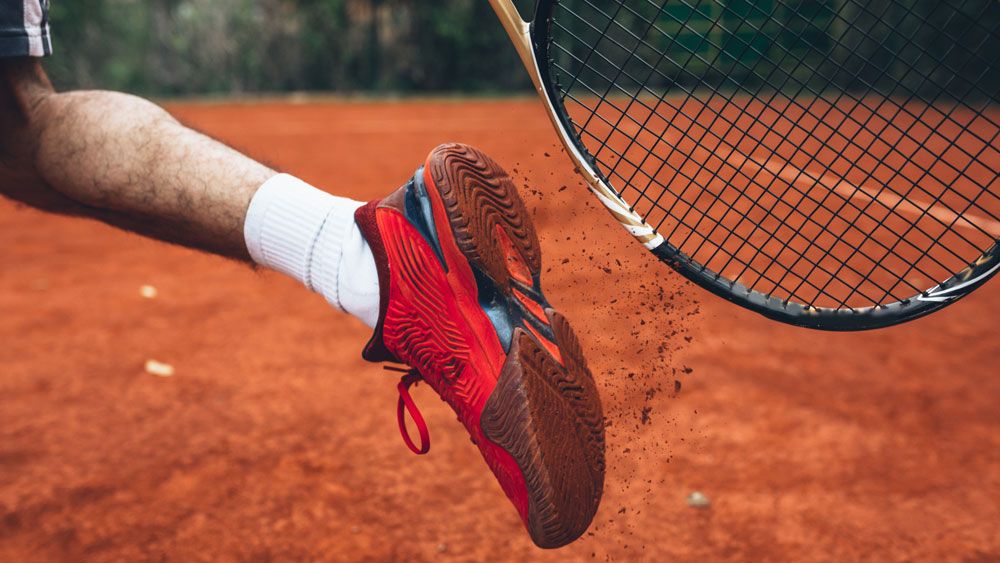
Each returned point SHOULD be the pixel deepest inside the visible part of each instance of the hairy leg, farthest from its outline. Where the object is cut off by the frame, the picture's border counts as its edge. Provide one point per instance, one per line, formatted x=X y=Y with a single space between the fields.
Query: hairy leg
x=123 y=160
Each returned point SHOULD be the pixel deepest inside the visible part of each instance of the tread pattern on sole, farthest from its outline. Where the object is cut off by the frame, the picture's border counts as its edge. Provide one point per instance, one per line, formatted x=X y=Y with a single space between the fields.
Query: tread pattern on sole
x=576 y=383
x=554 y=430
x=479 y=195
x=547 y=416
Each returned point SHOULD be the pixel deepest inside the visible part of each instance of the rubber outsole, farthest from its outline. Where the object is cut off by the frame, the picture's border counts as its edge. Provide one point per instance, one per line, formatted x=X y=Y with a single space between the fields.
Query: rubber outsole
x=544 y=411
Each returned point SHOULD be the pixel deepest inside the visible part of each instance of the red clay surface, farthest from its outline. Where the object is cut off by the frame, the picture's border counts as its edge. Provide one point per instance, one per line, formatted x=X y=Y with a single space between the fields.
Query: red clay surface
x=275 y=441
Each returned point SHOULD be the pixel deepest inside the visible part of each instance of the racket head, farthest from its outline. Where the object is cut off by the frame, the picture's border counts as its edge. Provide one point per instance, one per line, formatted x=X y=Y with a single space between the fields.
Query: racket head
x=952 y=276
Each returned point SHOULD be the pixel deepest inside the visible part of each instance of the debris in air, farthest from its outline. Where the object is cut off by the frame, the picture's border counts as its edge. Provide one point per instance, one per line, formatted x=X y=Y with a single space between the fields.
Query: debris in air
x=148 y=291
x=697 y=499
x=644 y=417
x=159 y=369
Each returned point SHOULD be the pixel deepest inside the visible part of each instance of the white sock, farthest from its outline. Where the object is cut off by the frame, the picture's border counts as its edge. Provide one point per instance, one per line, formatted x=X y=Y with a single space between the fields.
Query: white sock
x=311 y=236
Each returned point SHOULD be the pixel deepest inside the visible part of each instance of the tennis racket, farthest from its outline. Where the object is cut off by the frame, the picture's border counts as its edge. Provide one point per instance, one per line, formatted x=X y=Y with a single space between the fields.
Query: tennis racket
x=831 y=164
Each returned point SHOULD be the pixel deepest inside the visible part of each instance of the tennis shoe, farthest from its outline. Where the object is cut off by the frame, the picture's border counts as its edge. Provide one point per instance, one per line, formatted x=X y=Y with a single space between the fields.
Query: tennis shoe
x=461 y=304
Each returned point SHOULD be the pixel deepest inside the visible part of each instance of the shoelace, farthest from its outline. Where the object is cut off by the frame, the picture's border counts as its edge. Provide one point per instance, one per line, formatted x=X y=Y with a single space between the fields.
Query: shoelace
x=410 y=377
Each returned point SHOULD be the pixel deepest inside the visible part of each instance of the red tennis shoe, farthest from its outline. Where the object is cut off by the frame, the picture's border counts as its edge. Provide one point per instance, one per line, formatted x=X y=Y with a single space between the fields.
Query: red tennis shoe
x=458 y=264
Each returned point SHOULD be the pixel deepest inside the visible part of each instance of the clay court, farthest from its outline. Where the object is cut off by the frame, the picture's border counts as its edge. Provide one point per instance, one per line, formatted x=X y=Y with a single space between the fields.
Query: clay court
x=273 y=440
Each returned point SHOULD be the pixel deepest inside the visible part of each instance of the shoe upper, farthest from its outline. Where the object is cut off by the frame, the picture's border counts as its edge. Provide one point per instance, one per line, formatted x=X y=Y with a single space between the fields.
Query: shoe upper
x=424 y=322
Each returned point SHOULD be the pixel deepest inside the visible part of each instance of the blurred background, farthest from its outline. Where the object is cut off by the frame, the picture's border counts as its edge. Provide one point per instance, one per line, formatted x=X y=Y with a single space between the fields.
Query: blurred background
x=182 y=47
x=170 y=48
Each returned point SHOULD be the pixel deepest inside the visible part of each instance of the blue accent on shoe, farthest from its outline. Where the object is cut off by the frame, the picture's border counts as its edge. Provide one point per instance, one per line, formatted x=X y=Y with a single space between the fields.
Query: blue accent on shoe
x=417 y=210
x=497 y=307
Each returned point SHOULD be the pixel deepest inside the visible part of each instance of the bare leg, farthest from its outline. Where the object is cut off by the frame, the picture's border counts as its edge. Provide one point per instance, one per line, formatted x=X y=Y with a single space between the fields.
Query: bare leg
x=123 y=160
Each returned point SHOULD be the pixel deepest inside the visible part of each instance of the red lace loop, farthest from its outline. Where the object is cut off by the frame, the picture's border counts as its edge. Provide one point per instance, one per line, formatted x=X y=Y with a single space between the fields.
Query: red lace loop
x=405 y=401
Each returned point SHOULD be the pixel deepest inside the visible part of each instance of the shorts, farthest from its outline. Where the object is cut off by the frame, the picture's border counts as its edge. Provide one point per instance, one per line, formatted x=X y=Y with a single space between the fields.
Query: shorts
x=24 y=28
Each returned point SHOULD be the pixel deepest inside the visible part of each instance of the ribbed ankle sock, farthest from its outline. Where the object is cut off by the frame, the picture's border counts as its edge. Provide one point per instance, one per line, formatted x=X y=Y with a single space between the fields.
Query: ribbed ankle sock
x=311 y=236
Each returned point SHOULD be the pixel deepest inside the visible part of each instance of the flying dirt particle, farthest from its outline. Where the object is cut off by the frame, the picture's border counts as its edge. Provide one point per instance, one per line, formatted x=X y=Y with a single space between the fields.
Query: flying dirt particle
x=546 y=154
x=697 y=499
x=621 y=510
x=148 y=291
x=159 y=369
x=442 y=547
x=677 y=386
x=565 y=261
x=644 y=417
x=562 y=188
x=687 y=369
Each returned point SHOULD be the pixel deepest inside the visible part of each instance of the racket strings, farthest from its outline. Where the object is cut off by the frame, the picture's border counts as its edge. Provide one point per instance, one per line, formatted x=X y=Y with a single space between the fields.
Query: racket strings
x=760 y=273
x=899 y=108
x=694 y=228
x=681 y=220
x=787 y=51
x=800 y=258
x=602 y=145
x=865 y=250
x=788 y=75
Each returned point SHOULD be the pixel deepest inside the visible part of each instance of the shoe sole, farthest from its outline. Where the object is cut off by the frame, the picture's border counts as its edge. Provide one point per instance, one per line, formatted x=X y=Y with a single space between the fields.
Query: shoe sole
x=544 y=410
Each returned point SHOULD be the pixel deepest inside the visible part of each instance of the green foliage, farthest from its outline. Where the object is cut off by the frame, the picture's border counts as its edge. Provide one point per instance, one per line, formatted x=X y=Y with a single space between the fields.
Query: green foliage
x=924 y=49
x=178 y=47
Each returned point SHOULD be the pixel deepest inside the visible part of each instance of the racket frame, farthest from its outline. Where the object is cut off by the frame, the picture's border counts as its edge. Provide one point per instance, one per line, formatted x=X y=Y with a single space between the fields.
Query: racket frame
x=531 y=44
